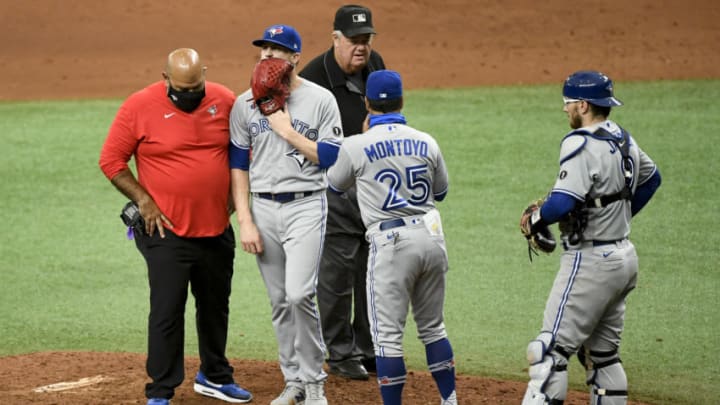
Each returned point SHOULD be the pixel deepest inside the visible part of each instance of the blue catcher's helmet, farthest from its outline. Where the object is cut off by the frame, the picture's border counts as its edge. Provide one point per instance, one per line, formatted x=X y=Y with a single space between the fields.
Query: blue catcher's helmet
x=591 y=86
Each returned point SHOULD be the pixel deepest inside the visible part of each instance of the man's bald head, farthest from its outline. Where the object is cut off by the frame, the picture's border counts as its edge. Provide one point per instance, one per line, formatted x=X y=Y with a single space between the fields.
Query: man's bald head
x=184 y=70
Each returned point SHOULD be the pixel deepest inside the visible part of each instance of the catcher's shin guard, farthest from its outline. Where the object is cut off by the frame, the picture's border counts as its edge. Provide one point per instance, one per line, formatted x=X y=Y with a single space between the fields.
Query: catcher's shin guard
x=606 y=378
x=548 y=373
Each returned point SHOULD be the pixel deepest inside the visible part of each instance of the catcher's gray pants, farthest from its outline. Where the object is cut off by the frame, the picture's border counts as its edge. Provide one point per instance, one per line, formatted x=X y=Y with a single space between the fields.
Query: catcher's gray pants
x=587 y=301
x=586 y=306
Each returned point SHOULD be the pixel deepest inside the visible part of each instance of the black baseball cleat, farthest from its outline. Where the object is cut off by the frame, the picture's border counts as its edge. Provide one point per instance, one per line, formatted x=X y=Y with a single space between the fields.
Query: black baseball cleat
x=351 y=369
x=369 y=364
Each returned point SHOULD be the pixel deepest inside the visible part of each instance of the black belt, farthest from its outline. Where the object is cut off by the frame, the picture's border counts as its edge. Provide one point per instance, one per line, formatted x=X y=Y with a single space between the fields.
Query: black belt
x=595 y=243
x=284 y=197
x=605 y=242
x=392 y=223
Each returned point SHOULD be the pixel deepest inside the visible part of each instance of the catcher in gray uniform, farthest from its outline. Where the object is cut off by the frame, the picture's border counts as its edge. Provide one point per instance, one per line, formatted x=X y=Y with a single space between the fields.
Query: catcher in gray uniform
x=293 y=128
x=604 y=180
x=400 y=173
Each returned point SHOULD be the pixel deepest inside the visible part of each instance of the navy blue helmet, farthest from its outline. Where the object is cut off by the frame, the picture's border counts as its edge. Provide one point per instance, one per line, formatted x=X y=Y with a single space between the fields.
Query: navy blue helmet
x=591 y=86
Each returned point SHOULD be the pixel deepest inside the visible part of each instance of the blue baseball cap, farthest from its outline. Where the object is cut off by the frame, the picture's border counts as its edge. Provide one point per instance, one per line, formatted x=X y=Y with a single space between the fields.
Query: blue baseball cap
x=383 y=85
x=283 y=35
x=591 y=86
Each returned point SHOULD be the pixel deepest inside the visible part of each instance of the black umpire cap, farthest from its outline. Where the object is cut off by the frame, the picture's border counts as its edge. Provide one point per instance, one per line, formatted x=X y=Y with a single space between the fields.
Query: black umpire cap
x=353 y=20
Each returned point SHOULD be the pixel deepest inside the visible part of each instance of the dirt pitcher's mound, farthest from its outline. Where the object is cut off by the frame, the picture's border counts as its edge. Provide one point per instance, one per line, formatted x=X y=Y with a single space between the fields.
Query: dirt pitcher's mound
x=73 y=378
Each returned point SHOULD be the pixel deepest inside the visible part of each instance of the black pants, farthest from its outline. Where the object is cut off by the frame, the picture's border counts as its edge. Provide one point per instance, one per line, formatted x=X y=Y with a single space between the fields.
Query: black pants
x=342 y=298
x=206 y=264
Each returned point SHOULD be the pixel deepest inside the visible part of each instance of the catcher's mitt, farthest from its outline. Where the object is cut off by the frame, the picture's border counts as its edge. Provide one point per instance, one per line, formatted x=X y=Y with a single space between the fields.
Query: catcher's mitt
x=270 y=84
x=536 y=231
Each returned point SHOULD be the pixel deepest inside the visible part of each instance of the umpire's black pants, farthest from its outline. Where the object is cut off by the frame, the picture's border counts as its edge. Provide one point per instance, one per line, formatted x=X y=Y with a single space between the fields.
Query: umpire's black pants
x=341 y=293
x=342 y=298
x=207 y=265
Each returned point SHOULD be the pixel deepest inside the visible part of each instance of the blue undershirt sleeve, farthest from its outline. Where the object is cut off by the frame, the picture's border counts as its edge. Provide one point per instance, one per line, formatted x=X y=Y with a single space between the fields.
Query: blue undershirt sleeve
x=644 y=192
x=239 y=158
x=327 y=154
x=557 y=206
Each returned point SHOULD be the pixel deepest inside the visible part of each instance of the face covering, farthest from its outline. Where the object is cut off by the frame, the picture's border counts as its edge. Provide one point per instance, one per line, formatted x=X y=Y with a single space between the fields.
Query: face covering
x=187 y=101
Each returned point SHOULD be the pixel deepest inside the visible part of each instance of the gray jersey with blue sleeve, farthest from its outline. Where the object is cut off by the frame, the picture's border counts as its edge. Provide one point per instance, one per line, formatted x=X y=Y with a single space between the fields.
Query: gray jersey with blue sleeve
x=276 y=166
x=587 y=172
x=399 y=172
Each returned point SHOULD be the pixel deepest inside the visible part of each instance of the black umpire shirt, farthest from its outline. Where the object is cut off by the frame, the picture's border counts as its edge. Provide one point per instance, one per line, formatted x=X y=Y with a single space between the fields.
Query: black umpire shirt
x=344 y=215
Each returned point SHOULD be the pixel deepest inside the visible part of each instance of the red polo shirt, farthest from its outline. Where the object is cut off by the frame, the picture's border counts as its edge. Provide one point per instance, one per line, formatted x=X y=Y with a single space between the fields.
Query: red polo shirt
x=181 y=158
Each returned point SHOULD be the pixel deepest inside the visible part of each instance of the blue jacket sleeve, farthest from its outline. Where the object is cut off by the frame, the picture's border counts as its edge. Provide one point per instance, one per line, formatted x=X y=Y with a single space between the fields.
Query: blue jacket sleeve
x=644 y=192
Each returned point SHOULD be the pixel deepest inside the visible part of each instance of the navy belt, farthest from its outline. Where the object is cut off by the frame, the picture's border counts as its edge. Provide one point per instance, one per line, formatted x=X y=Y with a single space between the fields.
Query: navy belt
x=284 y=197
x=392 y=223
x=605 y=242
x=595 y=243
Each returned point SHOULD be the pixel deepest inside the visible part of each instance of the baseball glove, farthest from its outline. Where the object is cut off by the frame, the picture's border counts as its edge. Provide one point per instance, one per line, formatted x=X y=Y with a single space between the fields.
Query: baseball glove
x=270 y=84
x=538 y=234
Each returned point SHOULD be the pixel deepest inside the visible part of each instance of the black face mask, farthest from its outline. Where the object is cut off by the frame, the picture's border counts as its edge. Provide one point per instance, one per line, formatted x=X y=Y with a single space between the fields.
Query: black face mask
x=187 y=101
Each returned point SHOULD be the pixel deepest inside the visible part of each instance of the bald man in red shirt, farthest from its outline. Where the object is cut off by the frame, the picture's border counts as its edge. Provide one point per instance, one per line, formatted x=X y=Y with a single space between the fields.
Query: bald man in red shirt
x=177 y=129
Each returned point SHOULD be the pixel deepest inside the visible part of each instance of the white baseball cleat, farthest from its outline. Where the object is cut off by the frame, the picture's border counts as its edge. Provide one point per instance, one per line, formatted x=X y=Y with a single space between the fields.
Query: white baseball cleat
x=315 y=394
x=293 y=394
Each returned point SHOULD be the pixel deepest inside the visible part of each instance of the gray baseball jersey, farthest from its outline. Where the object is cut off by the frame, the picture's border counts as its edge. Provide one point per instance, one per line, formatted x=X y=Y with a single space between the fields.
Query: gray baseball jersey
x=586 y=305
x=276 y=166
x=398 y=171
x=592 y=174
x=293 y=228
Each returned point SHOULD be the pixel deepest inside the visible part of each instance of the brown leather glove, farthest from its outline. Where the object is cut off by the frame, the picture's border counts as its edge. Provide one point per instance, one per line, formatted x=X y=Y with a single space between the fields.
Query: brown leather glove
x=270 y=84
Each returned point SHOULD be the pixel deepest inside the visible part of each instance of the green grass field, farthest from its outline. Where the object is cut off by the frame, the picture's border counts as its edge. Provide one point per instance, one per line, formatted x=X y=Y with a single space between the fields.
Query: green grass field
x=70 y=280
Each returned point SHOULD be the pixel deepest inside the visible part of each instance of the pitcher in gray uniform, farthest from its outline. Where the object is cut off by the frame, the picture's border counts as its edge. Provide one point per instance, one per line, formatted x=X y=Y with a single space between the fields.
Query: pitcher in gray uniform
x=604 y=180
x=285 y=224
x=399 y=173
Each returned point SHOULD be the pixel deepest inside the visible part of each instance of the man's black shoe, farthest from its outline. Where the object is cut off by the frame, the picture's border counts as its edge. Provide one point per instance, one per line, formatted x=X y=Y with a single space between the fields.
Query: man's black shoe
x=351 y=369
x=369 y=364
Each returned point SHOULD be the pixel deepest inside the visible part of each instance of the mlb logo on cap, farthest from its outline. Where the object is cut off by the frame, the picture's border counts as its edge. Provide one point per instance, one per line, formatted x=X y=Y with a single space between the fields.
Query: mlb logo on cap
x=359 y=18
x=383 y=85
x=353 y=20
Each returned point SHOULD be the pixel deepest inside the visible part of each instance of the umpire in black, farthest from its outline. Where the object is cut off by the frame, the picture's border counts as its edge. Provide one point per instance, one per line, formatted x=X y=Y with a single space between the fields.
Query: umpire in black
x=344 y=70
